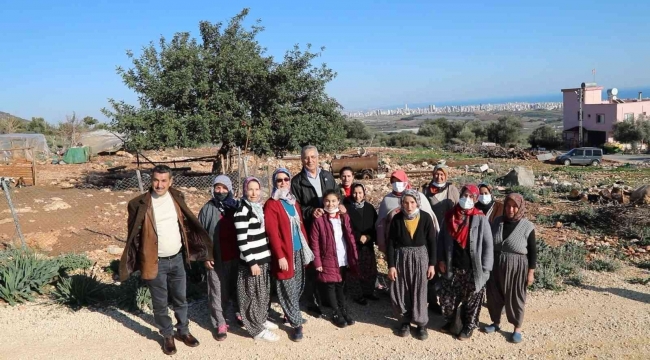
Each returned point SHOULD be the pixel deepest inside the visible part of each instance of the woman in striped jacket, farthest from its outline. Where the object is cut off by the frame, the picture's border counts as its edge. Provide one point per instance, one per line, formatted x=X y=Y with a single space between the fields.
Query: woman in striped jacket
x=253 y=281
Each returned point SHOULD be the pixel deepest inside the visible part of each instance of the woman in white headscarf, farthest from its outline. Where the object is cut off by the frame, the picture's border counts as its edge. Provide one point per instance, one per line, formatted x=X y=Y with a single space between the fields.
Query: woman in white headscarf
x=289 y=250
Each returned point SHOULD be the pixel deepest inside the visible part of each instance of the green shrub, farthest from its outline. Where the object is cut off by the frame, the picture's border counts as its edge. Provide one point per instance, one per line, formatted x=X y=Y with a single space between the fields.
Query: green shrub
x=79 y=290
x=611 y=149
x=603 y=265
x=133 y=295
x=70 y=262
x=113 y=267
x=23 y=272
x=556 y=265
x=639 y=280
x=528 y=193
x=644 y=265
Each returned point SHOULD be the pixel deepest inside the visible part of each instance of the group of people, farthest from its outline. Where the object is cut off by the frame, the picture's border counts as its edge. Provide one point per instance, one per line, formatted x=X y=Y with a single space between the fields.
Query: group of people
x=312 y=243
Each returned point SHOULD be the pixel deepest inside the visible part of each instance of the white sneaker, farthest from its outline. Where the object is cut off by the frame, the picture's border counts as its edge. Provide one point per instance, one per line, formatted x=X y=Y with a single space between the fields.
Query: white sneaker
x=267 y=335
x=270 y=326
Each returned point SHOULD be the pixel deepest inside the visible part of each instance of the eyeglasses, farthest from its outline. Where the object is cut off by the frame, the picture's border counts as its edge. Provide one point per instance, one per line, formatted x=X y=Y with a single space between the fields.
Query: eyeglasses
x=281 y=180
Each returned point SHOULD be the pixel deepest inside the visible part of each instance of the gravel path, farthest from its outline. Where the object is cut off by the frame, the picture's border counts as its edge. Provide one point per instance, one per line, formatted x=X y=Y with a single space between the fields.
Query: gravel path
x=605 y=318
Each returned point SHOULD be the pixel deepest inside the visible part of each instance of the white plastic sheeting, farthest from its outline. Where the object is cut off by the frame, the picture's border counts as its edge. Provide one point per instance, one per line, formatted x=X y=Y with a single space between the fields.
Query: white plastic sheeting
x=101 y=141
x=31 y=145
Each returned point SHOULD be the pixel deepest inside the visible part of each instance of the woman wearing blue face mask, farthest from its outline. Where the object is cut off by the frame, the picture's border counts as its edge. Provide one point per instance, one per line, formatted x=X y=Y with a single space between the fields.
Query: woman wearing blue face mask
x=465 y=258
x=486 y=203
x=391 y=204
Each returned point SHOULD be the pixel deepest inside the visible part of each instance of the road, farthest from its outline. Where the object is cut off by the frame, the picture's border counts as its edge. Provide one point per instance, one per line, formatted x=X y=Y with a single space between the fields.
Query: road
x=639 y=158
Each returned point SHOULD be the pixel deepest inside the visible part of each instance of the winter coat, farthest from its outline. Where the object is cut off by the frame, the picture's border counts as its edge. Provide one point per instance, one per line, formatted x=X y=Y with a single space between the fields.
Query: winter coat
x=280 y=234
x=322 y=243
x=141 y=250
x=306 y=195
x=213 y=221
x=481 y=249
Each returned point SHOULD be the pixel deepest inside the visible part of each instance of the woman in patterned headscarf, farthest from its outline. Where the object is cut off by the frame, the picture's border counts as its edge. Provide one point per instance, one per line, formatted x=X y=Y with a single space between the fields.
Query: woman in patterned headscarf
x=253 y=282
x=411 y=255
x=289 y=250
x=515 y=257
x=465 y=257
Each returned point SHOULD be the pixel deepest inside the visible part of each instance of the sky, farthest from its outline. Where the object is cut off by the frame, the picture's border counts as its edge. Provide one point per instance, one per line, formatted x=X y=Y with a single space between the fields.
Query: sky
x=59 y=59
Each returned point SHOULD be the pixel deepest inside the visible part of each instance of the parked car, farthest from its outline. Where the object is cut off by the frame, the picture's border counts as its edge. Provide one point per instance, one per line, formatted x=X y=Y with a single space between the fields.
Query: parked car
x=581 y=156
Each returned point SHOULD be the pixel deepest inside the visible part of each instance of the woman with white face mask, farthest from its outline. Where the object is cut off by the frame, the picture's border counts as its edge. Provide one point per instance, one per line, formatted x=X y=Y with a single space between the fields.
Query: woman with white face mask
x=486 y=203
x=465 y=258
x=391 y=204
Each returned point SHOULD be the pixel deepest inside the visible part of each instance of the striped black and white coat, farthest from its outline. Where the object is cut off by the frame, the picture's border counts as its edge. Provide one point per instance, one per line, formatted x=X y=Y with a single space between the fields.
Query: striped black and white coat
x=251 y=237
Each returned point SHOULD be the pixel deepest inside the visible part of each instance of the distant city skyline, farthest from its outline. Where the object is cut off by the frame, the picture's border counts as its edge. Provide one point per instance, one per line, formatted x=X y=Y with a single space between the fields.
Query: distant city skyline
x=60 y=59
x=433 y=109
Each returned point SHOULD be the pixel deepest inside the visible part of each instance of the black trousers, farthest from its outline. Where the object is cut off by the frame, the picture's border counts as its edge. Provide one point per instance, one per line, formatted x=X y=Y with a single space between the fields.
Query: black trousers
x=170 y=283
x=311 y=294
x=335 y=292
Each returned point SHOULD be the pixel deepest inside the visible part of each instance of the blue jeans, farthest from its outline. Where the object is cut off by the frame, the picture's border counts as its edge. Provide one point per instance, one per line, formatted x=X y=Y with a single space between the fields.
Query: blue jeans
x=170 y=283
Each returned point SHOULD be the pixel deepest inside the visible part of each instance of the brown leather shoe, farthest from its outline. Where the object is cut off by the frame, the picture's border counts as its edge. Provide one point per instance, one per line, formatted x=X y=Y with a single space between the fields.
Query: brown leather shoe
x=169 y=347
x=188 y=339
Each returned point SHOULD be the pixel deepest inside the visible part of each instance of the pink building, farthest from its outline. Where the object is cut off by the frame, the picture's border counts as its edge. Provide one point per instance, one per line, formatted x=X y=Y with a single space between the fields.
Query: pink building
x=599 y=116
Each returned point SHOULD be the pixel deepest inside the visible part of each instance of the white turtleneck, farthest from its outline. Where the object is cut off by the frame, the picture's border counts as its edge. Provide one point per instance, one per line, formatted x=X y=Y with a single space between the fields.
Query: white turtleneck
x=169 y=233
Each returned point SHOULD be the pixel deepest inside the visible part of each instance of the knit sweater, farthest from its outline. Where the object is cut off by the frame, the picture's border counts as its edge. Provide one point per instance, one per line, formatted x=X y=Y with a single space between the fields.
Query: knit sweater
x=251 y=237
x=425 y=235
x=516 y=237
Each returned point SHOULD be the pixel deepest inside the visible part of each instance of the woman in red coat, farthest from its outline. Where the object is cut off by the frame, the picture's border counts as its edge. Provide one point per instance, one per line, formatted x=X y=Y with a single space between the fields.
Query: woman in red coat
x=290 y=252
x=335 y=254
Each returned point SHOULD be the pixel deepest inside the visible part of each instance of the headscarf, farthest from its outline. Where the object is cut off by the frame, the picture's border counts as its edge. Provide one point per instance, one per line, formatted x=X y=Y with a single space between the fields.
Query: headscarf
x=458 y=219
x=282 y=194
x=485 y=207
x=401 y=176
x=229 y=203
x=255 y=205
x=415 y=195
x=521 y=204
x=358 y=205
x=435 y=189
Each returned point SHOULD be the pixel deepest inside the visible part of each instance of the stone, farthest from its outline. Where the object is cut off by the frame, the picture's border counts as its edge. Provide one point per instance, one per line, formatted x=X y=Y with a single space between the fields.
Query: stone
x=641 y=251
x=575 y=193
x=558 y=225
x=56 y=205
x=520 y=176
x=124 y=154
x=425 y=164
x=106 y=190
x=192 y=189
x=641 y=195
x=66 y=185
x=114 y=250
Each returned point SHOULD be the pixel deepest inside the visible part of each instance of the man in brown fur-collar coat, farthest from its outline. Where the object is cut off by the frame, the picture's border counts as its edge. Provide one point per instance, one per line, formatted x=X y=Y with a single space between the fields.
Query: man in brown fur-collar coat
x=163 y=237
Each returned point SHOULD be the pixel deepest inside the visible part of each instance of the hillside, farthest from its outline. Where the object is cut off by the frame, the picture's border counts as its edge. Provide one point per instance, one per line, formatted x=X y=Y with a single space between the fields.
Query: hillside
x=4 y=115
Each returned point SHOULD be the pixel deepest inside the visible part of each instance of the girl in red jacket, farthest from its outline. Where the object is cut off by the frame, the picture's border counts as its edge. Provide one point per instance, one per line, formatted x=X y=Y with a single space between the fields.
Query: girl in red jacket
x=335 y=255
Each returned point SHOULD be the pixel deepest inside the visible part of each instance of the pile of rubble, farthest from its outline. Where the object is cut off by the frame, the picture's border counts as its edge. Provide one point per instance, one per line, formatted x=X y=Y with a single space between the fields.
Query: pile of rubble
x=496 y=151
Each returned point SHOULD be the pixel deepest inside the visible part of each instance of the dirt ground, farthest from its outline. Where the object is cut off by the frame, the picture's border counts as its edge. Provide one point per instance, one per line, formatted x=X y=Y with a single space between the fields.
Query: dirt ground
x=606 y=318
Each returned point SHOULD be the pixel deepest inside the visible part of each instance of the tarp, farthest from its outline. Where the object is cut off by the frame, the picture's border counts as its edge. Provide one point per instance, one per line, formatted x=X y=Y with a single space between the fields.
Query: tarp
x=77 y=155
x=101 y=141
x=35 y=142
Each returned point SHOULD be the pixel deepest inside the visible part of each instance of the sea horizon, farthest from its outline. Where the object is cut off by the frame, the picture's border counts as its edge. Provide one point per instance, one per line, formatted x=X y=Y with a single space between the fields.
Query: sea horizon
x=629 y=93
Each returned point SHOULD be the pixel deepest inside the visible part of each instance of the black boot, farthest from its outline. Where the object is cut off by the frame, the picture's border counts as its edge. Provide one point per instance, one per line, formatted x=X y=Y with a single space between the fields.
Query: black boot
x=348 y=319
x=421 y=333
x=403 y=330
x=338 y=319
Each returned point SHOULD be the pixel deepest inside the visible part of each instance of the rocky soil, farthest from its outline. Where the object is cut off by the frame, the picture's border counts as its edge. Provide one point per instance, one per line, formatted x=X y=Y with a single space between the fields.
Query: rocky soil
x=604 y=318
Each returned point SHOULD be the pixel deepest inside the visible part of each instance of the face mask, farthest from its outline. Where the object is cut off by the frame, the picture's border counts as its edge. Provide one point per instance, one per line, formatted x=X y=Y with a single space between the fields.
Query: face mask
x=398 y=187
x=439 y=185
x=331 y=211
x=466 y=203
x=220 y=196
x=485 y=199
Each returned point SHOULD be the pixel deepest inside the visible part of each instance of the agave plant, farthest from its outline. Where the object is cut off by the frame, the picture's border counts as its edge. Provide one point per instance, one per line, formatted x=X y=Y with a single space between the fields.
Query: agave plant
x=23 y=273
x=79 y=290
